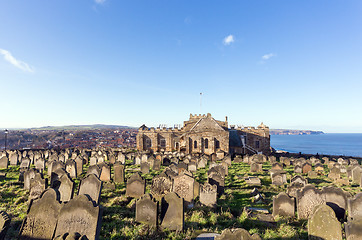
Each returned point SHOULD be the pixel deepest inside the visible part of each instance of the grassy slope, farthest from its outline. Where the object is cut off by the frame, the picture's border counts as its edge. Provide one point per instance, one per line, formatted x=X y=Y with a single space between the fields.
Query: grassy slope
x=118 y=220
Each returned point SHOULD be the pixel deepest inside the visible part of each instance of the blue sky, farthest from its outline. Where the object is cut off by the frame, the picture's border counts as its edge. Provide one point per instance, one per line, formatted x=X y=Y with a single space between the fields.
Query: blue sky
x=289 y=64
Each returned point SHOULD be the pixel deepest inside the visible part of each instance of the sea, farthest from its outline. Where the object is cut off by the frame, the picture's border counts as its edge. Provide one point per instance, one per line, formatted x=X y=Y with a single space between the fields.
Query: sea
x=344 y=144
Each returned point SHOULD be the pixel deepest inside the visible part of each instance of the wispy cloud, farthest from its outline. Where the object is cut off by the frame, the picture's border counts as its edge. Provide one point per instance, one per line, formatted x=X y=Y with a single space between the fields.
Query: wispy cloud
x=17 y=63
x=228 y=40
x=99 y=1
x=268 y=56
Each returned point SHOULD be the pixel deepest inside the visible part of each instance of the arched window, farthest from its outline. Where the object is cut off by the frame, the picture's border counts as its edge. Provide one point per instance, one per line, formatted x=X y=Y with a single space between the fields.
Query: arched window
x=195 y=144
x=217 y=144
x=206 y=143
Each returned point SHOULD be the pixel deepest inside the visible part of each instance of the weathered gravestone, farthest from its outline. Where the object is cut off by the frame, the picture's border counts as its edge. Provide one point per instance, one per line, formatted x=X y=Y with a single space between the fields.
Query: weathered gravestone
x=135 y=186
x=146 y=210
x=39 y=164
x=93 y=161
x=323 y=224
x=278 y=177
x=28 y=175
x=145 y=167
x=283 y=205
x=71 y=236
x=336 y=198
x=312 y=174
x=161 y=185
x=215 y=178
x=118 y=173
x=4 y=224
x=356 y=174
x=14 y=159
x=253 y=181
x=353 y=229
x=299 y=179
x=306 y=167
x=25 y=163
x=192 y=166
x=55 y=177
x=183 y=185
x=237 y=234
x=79 y=165
x=298 y=169
x=355 y=206
x=172 y=212
x=157 y=164
x=79 y=215
x=66 y=188
x=319 y=168
x=105 y=173
x=42 y=217
x=277 y=166
x=4 y=162
x=308 y=198
x=208 y=194
x=92 y=187
x=256 y=167
x=121 y=158
x=55 y=166
x=94 y=169
x=37 y=186
x=71 y=168
x=335 y=173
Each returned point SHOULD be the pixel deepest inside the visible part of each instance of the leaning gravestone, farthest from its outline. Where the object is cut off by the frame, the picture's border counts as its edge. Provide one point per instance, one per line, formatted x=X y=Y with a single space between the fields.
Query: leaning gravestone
x=161 y=185
x=136 y=186
x=54 y=179
x=4 y=162
x=308 y=198
x=215 y=178
x=208 y=194
x=41 y=220
x=66 y=188
x=146 y=210
x=79 y=165
x=172 y=212
x=283 y=205
x=183 y=185
x=4 y=224
x=37 y=186
x=92 y=187
x=323 y=224
x=118 y=172
x=81 y=216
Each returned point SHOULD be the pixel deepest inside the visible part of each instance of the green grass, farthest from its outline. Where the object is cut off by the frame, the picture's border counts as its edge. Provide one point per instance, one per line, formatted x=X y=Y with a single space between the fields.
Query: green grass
x=118 y=221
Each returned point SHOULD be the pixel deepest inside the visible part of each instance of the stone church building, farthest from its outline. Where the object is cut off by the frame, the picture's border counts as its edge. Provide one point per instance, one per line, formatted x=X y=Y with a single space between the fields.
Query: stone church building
x=203 y=134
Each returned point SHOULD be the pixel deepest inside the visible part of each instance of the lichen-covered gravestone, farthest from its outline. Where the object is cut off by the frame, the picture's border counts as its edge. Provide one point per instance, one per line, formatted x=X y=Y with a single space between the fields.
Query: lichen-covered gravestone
x=146 y=210
x=71 y=168
x=172 y=212
x=37 y=186
x=4 y=162
x=283 y=205
x=136 y=186
x=161 y=185
x=92 y=187
x=208 y=194
x=183 y=185
x=66 y=188
x=28 y=175
x=215 y=178
x=308 y=198
x=323 y=224
x=81 y=216
x=41 y=220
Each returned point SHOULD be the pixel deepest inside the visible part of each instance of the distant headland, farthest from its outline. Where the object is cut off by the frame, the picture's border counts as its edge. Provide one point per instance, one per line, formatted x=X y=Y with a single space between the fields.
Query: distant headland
x=293 y=132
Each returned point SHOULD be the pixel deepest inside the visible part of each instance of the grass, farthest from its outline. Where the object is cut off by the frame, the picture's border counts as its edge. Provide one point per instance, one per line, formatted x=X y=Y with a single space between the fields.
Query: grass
x=118 y=221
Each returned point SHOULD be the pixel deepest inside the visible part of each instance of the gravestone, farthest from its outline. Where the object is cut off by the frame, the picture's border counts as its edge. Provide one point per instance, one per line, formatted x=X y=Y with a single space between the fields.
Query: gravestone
x=336 y=198
x=79 y=165
x=25 y=163
x=283 y=205
x=14 y=159
x=137 y=160
x=105 y=173
x=192 y=166
x=145 y=167
x=37 y=186
x=161 y=185
x=71 y=168
x=157 y=164
x=312 y=174
x=306 y=167
x=319 y=168
x=208 y=194
x=215 y=178
x=28 y=175
x=94 y=169
x=92 y=187
x=299 y=179
x=353 y=229
x=4 y=224
x=277 y=166
x=55 y=177
x=308 y=198
x=356 y=174
x=172 y=212
x=183 y=185
x=256 y=167
x=252 y=181
x=298 y=169
x=355 y=206
x=237 y=234
x=55 y=166
x=335 y=173
x=121 y=158
x=41 y=220
x=278 y=179
x=93 y=161
x=40 y=164
x=4 y=162
x=146 y=210
x=81 y=216
x=323 y=224
x=135 y=186
x=118 y=173
x=66 y=188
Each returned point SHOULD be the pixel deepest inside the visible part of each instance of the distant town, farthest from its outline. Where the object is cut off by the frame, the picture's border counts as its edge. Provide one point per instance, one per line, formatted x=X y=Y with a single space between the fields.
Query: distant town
x=88 y=136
